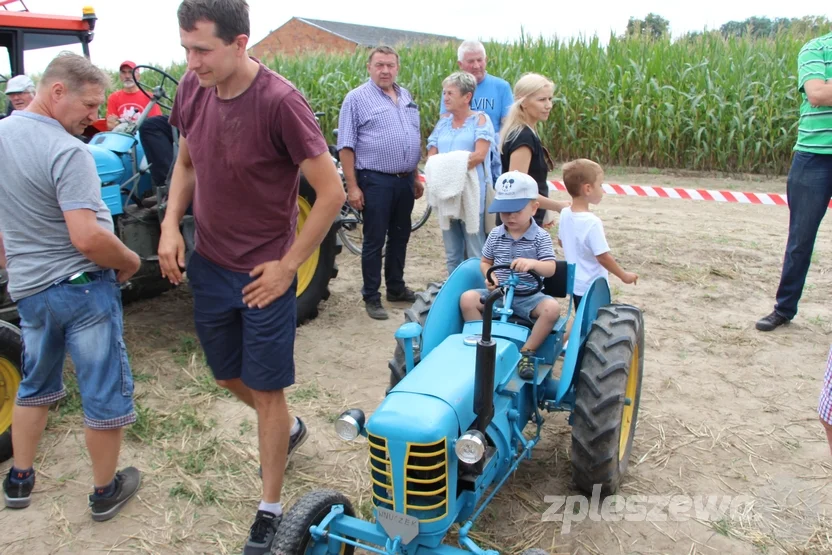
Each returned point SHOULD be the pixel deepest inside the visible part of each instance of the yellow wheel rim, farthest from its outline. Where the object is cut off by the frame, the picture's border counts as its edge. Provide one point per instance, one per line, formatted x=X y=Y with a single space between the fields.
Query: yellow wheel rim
x=629 y=410
x=9 y=382
x=307 y=270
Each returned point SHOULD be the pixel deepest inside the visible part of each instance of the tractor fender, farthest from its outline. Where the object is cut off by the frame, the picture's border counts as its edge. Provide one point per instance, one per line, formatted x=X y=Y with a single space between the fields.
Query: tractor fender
x=108 y=164
x=597 y=295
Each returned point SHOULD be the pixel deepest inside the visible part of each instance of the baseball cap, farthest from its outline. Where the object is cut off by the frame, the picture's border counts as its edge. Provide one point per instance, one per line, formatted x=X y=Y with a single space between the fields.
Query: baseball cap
x=18 y=84
x=513 y=191
x=128 y=63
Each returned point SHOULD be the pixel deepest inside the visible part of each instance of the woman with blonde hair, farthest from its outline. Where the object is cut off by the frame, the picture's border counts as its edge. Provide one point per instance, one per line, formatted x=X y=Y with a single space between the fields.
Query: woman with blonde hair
x=520 y=145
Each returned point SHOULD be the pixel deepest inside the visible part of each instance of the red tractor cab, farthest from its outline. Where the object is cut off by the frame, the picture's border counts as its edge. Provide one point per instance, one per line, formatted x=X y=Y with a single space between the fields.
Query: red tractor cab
x=22 y=30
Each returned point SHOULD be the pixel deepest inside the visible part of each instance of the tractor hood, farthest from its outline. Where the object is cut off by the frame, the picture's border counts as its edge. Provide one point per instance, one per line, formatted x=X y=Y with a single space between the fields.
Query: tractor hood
x=419 y=419
x=447 y=373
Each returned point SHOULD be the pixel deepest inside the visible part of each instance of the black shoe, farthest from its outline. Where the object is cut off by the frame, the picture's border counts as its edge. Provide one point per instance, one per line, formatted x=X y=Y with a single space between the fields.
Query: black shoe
x=772 y=321
x=405 y=295
x=526 y=366
x=18 y=494
x=261 y=534
x=375 y=310
x=296 y=440
x=127 y=484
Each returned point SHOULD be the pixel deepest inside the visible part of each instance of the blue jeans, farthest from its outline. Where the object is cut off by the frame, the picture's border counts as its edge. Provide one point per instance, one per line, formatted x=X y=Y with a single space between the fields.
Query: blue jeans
x=388 y=202
x=461 y=245
x=87 y=321
x=808 y=189
x=256 y=345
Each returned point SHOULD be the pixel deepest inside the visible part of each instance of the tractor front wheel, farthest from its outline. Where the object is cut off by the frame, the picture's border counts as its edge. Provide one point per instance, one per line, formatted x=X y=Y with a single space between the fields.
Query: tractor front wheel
x=314 y=274
x=418 y=312
x=11 y=347
x=293 y=537
x=607 y=397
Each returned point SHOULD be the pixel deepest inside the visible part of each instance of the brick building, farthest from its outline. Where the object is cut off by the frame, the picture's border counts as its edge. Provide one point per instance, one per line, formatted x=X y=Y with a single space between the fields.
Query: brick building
x=301 y=35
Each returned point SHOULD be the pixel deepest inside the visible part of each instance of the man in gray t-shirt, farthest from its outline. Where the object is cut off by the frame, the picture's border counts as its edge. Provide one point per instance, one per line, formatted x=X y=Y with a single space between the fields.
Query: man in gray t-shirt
x=65 y=265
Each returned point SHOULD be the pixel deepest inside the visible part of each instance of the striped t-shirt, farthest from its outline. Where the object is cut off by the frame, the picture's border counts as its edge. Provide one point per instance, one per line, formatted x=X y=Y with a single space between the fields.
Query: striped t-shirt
x=502 y=248
x=814 y=133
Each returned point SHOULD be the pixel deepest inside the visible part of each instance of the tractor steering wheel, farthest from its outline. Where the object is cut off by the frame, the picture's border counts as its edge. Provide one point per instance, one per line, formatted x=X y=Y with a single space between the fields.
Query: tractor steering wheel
x=534 y=274
x=157 y=93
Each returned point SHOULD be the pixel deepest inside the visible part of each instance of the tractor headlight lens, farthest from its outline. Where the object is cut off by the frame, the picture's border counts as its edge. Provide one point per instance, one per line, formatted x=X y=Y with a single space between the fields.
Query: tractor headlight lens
x=470 y=448
x=350 y=424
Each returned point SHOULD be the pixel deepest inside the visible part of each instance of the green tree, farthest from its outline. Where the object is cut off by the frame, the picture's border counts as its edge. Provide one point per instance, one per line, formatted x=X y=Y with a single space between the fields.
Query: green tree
x=653 y=26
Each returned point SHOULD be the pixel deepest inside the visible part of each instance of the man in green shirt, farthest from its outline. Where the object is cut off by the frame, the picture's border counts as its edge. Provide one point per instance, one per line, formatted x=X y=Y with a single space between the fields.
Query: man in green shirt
x=809 y=185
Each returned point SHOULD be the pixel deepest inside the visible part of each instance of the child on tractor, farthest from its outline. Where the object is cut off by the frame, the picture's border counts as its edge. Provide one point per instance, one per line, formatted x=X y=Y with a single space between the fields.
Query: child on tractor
x=581 y=233
x=524 y=245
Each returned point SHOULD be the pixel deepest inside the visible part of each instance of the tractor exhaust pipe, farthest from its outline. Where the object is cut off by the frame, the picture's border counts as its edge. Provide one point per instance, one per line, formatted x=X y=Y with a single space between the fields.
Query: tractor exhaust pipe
x=485 y=367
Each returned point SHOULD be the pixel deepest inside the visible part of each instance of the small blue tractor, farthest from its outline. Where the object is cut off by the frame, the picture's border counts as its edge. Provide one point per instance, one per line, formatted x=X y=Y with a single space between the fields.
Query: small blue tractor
x=458 y=419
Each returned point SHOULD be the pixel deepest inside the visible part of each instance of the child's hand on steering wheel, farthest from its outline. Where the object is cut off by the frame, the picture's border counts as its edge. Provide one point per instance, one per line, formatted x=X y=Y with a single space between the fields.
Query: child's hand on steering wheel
x=492 y=286
x=523 y=264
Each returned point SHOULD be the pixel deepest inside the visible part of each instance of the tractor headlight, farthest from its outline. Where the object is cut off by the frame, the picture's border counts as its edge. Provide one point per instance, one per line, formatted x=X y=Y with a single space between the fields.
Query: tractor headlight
x=350 y=424
x=470 y=448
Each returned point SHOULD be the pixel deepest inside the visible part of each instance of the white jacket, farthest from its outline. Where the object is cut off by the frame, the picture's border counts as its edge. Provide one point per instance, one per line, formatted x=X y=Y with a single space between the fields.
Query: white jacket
x=453 y=190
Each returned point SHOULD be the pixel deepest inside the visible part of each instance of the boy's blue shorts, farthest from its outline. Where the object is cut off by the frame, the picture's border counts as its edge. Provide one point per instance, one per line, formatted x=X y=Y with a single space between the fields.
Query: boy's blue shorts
x=522 y=306
x=252 y=344
x=87 y=321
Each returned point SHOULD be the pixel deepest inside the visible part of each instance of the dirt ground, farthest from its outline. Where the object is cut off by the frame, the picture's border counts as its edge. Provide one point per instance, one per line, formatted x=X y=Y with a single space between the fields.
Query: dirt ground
x=725 y=410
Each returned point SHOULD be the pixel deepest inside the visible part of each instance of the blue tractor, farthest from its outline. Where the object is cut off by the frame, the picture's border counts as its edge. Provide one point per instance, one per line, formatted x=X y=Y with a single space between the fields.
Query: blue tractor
x=458 y=419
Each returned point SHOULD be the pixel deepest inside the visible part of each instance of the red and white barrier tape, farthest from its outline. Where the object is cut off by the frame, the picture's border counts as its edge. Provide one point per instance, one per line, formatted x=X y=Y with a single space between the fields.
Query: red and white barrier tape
x=688 y=194
x=771 y=199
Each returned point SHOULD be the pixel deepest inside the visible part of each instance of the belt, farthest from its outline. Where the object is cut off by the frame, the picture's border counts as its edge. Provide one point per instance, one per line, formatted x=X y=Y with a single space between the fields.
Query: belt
x=399 y=175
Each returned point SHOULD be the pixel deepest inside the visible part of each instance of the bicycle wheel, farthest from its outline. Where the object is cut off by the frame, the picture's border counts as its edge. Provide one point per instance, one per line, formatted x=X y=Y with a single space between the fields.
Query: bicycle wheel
x=351 y=231
x=420 y=213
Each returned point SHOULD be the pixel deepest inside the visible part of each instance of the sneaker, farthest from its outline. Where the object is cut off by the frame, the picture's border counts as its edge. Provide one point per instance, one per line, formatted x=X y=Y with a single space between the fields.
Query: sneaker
x=771 y=321
x=18 y=495
x=406 y=295
x=261 y=534
x=526 y=366
x=127 y=484
x=375 y=310
x=295 y=441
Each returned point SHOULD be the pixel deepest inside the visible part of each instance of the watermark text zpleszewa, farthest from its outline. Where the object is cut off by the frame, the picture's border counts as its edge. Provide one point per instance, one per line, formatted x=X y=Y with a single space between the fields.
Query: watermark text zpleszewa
x=569 y=509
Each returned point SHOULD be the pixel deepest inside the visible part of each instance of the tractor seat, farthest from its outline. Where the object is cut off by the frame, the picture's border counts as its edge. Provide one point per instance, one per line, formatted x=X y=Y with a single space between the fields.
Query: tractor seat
x=555 y=286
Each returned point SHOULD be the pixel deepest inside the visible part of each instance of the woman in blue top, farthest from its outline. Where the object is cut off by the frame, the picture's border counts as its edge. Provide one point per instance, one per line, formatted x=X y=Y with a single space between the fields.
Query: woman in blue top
x=461 y=128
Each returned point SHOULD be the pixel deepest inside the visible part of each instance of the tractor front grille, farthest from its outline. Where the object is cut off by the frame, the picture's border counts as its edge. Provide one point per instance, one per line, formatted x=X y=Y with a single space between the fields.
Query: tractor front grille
x=381 y=472
x=426 y=481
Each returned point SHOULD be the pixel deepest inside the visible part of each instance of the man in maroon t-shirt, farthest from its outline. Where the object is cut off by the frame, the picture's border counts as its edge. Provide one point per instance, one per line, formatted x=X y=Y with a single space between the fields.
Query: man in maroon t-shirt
x=245 y=134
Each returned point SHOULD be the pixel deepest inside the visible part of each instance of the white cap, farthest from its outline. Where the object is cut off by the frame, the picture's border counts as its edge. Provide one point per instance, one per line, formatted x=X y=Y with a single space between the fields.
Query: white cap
x=513 y=191
x=19 y=84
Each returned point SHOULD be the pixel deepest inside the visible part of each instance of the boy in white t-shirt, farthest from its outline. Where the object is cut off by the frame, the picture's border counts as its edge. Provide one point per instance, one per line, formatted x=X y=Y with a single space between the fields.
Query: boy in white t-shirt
x=581 y=233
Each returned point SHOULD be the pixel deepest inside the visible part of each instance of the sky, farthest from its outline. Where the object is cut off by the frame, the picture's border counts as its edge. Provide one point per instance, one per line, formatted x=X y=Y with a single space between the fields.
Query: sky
x=146 y=31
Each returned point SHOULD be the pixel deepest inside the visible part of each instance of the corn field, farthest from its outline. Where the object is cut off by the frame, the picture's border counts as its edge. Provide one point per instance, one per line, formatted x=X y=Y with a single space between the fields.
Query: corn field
x=704 y=103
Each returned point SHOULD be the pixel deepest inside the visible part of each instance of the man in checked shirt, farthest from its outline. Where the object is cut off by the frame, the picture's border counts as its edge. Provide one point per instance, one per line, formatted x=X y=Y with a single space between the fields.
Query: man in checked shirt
x=380 y=145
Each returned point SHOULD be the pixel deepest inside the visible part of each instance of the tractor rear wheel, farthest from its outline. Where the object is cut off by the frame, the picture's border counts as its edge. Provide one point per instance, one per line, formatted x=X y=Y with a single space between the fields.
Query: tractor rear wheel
x=607 y=396
x=11 y=347
x=319 y=268
x=293 y=537
x=418 y=312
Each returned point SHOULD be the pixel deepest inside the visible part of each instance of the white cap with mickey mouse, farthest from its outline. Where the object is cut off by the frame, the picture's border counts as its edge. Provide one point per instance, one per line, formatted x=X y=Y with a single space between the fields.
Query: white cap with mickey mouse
x=513 y=191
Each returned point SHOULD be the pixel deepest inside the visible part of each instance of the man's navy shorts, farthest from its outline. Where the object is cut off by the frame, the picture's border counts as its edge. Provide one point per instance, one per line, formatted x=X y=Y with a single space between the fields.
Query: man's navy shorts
x=255 y=345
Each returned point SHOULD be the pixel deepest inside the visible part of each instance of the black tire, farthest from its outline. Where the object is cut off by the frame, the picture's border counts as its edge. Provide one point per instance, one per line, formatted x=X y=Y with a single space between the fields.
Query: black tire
x=11 y=347
x=147 y=283
x=293 y=537
x=418 y=312
x=317 y=289
x=607 y=362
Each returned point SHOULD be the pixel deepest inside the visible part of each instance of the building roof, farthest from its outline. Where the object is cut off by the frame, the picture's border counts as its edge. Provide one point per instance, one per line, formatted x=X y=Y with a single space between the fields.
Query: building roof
x=365 y=35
